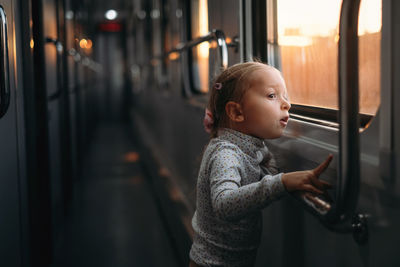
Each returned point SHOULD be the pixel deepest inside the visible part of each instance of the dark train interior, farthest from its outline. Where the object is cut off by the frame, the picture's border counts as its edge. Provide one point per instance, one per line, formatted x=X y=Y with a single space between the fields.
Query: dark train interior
x=101 y=124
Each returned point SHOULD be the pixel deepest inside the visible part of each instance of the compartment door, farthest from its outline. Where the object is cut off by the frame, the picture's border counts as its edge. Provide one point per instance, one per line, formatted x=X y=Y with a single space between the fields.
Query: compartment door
x=10 y=235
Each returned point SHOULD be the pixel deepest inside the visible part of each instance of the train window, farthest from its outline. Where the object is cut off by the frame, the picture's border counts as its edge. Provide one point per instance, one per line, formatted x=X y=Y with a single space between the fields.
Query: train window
x=160 y=25
x=303 y=36
x=200 y=53
x=369 y=47
x=173 y=24
x=176 y=26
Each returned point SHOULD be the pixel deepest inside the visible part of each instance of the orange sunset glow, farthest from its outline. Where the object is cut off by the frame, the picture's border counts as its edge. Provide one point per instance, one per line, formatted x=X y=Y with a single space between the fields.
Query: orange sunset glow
x=308 y=36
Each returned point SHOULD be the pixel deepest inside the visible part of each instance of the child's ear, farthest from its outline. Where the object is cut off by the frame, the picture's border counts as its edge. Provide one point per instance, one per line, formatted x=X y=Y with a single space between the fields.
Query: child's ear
x=234 y=111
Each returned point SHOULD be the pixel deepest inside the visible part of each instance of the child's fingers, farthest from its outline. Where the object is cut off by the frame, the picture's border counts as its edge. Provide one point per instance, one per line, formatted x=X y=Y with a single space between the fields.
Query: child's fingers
x=312 y=189
x=317 y=183
x=322 y=167
x=317 y=201
x=326 y=185
x=320 y=184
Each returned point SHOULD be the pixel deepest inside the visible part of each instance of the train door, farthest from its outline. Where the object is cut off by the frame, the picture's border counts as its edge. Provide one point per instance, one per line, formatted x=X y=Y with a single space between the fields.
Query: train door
x=10 y=220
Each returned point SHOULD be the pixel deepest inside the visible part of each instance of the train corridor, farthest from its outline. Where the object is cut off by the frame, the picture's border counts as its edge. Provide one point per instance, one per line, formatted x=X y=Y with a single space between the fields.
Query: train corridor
x=115 y=220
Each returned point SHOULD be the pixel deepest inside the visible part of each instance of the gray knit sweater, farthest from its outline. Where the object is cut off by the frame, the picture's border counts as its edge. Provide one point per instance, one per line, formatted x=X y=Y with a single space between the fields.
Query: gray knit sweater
x=232 y=188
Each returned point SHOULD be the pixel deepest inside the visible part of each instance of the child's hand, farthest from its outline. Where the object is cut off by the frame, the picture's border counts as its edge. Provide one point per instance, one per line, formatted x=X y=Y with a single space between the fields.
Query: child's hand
x=307 y=180
x=321 y=205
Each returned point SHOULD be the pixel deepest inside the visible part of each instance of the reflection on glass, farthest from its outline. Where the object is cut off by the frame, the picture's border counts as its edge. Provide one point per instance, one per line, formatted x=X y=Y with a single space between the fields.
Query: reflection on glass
x=308 y=41
x=200 y=52
x=369 y=55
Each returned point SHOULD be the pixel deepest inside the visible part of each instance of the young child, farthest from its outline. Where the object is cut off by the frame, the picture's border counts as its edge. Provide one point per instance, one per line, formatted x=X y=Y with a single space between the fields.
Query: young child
x=248 y=103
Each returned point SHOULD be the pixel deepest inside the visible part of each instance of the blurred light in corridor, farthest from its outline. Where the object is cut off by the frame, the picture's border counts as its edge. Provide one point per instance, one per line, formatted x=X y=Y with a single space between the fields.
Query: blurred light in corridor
x=89 y=44
x=131 y=157
x=83 y=43
x=69 y=14
x=164 y=172
x=111 y=14
x=110 y=26
x=173 y=56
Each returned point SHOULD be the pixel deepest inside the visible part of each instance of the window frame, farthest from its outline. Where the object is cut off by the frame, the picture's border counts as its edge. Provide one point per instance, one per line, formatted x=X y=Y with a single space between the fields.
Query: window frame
x=190 y=58
x=159 y=63
x=324 y=116
x=270 y=52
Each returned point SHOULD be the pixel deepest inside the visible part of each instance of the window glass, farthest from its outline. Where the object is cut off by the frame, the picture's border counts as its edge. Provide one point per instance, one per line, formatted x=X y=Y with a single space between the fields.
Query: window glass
x=157 y=42
x=369 y=55
x=306 y=35
x=160 y=41
x=200 y=53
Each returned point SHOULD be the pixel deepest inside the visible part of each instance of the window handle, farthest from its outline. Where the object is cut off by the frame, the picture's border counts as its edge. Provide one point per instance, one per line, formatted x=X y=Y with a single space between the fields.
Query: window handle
x=216 y=35
x=59 y=48
x=222 y=46
x=85 y=61
x=347 y=185
x=4 y=67
x=56 y=43
x=75 y=55
x=349 y=143
x=349 y=148
x=341 y=216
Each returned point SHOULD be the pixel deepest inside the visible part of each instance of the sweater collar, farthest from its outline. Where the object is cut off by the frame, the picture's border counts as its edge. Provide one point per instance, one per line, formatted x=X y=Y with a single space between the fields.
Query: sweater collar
x=248 y=144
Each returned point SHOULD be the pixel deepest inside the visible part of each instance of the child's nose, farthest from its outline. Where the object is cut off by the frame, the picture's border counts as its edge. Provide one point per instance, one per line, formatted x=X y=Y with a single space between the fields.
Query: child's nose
x=286 y=104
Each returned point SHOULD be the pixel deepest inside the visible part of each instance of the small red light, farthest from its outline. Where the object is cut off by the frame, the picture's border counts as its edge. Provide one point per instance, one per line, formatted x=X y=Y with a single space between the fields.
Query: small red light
x=110 y=27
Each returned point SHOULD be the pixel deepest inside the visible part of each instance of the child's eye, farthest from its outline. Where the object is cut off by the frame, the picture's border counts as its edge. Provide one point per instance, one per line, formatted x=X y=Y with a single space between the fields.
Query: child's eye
x=272 y=96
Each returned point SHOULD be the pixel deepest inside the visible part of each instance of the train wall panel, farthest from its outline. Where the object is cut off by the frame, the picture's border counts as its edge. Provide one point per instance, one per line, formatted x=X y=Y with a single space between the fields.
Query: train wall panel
x=177 y=132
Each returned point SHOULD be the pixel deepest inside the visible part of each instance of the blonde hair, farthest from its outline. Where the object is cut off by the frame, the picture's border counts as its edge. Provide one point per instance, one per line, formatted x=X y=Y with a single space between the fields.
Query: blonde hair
x=230 y=85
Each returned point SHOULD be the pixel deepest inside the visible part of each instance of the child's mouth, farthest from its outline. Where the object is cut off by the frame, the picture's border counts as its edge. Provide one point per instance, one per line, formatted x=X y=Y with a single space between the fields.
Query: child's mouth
x=284 y=121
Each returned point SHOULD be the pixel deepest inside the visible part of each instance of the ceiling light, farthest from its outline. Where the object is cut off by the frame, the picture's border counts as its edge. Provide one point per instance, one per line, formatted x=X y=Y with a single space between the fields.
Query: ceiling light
x=111 y=14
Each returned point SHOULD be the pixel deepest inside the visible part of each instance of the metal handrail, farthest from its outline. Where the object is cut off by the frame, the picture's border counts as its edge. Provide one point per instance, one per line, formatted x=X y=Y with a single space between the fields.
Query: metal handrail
x=348 y=185
x=216 y=35
x=349 y=144
x=349 y=147
x=5 y=79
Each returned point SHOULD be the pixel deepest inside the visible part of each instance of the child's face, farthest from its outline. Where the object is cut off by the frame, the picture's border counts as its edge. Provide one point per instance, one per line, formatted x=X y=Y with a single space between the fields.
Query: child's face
x=265 y=105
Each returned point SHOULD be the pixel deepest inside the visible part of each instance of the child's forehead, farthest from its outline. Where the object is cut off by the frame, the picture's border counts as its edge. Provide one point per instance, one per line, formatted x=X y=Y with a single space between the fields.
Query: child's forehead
x=267 y=76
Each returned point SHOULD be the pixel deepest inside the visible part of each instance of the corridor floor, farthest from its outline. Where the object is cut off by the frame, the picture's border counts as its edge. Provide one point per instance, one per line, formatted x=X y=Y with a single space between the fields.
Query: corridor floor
x=114 y=220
